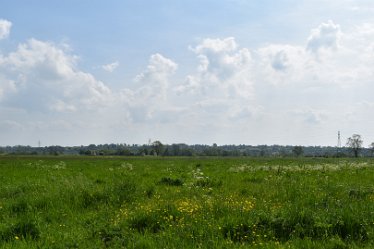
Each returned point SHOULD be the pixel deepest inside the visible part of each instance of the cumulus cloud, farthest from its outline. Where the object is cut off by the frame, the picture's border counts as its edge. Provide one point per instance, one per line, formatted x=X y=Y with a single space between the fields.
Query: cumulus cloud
x=223 y=68
x=111 y=67
x=151 y=94
x=280 y=61
x=5 y=27
x=43 y=76
x=215 y=46
x=280 y=64
x=154 y=81
x=220 y=59
x=326 y=36
x=253 y=85
x=221 y=89
x=158 y=70
x=248 y=92
x=330 y=57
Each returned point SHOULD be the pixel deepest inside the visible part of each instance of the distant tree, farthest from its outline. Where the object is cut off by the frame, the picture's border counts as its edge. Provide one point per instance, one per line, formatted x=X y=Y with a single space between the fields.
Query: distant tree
x=166 y=151
x=298 y=150
x=56 y=150
x=175 y=149
x=123 y=152
x=355 y=144
x=262 y=152
x=372 y=148
x=157 y=147
x=187 y=152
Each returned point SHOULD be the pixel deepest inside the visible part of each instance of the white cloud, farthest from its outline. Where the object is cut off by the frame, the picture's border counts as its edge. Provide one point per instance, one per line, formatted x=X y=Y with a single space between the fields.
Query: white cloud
x=280 y=61
x=278 y=64
x=220 y=93
x=310 y=116
x=318 y=80
x=326 y=36
x=5 y=27
x=154 y=81
x=215 y=46
x=158 y=70
x=330 y=59
x=267 y=94
x=151 y=94
x=61 y=106
x=223 y=70
x=42 y=76
x=111 y=67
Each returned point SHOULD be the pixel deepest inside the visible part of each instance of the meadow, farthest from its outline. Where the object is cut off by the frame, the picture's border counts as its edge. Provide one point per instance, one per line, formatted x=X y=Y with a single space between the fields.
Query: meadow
x=155 y=202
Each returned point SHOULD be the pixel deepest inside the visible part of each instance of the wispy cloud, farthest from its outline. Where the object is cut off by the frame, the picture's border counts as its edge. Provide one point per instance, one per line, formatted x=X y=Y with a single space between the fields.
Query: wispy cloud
x=111 y=66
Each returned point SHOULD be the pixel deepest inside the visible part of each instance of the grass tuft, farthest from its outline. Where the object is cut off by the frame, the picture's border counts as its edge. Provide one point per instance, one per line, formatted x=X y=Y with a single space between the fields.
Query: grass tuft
x=170 y=181
x=21 y=230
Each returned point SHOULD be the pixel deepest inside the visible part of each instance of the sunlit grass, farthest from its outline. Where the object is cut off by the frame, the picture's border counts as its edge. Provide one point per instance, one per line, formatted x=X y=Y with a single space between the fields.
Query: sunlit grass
x=82 y=202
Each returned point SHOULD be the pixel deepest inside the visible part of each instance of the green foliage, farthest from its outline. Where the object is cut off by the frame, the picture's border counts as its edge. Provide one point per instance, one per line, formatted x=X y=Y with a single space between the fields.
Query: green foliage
x=355 y=143
x=161 y=202
x=298 y=150
x=207 y=183
x=142 y=223
x=170 y=181
x=124 y=192
x=21 y=230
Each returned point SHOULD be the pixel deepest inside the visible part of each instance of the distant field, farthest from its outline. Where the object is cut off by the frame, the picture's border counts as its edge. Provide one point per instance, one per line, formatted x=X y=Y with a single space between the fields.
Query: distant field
x=92 y=202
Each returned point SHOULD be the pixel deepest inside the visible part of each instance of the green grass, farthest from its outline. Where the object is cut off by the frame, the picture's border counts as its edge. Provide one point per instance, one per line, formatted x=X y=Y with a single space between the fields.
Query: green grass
x=87 y=202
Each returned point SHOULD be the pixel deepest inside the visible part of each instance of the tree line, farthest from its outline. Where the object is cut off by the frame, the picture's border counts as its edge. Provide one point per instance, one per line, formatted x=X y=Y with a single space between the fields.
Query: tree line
x=352 y=148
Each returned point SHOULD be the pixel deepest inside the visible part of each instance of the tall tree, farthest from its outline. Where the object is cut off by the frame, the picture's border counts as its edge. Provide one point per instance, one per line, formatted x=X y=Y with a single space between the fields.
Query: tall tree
x=355 y=143
x=298 y=150
x=158 y=147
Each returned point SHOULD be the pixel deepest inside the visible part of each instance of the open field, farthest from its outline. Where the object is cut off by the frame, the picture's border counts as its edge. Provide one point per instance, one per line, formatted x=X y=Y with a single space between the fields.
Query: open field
x=91 y=202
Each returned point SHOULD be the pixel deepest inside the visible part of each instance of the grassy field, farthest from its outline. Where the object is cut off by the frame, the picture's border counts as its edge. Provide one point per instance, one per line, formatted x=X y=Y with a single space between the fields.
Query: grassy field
x=80 y=202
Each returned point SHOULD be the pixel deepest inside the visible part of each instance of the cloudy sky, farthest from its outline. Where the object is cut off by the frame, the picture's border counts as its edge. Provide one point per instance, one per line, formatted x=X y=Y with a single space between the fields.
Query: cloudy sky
x=198 y=71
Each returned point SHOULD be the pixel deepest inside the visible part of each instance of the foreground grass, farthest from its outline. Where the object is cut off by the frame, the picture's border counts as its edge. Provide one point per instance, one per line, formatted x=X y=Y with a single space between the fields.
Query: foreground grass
x=186 y=203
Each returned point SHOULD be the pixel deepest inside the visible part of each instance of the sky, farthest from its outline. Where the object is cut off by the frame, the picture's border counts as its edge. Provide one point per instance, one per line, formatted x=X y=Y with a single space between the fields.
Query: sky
x=198 y=72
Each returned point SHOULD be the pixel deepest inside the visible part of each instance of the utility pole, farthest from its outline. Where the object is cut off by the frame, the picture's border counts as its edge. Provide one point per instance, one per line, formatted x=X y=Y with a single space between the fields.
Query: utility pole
x=339 y=145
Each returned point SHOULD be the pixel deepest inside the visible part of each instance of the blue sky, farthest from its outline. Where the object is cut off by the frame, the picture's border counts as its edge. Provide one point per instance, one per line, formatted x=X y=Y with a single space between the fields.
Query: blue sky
x=226 y=72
